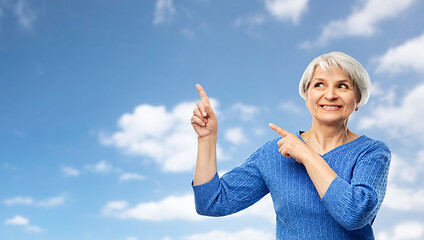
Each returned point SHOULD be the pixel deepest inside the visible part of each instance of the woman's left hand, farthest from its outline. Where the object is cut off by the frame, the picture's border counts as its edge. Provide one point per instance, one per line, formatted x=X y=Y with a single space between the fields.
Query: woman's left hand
x=290 y=145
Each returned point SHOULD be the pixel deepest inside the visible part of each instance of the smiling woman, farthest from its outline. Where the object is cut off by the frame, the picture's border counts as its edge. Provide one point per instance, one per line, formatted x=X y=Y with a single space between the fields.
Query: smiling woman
x=352 y=72
x=331 y=96
x=325 y=183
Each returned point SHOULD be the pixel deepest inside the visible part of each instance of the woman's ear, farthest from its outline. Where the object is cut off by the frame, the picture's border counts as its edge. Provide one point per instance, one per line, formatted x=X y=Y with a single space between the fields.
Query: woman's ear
x=357 y=105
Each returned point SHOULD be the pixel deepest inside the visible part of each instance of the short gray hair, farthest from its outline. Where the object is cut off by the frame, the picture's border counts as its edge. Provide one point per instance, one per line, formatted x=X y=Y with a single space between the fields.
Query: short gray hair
x=350 y=66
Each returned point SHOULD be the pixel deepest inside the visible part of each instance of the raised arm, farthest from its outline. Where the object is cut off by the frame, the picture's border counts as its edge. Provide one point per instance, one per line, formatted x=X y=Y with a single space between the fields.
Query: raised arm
x=205 y=124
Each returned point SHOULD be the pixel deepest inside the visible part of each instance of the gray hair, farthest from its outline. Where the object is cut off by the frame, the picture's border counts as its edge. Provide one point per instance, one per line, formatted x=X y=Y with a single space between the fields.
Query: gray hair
x=350 y=66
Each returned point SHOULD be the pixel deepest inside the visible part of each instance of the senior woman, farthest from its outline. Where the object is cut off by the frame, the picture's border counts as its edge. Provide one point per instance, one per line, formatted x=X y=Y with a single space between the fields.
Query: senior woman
x=325 y=183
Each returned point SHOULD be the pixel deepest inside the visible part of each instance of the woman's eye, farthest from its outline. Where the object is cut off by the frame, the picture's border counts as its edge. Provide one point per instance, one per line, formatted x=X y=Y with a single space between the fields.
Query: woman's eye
x=319 y=85
x=343 y=86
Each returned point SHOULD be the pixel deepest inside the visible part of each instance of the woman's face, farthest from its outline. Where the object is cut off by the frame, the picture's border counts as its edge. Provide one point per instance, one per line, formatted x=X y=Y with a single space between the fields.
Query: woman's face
x=331 y=96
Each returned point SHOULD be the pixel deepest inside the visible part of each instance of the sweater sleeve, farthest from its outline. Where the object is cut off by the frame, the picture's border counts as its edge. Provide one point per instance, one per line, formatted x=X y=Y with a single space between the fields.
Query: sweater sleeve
x=234 y=191
x=355 y=204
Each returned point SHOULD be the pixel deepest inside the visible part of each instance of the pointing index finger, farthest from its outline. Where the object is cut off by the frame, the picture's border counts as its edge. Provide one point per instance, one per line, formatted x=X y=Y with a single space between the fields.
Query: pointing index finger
x=202 y=93
x=279 y=130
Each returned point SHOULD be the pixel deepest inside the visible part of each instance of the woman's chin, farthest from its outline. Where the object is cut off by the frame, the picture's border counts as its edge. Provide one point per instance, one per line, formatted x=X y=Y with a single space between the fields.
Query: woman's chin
x=331 y=121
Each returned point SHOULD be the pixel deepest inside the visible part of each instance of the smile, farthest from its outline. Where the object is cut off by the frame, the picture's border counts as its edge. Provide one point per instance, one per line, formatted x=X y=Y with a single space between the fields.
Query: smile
x=330 y=107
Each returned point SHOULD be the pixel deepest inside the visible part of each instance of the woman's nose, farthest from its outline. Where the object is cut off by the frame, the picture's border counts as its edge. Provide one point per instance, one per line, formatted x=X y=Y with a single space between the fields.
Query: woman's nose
x=331 y=94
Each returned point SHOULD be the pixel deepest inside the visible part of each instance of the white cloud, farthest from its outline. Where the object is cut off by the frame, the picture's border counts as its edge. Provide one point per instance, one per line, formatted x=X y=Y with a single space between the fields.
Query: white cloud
x=404 y=57
x=235 y=135
x=19 y=201
x=402 y=170
x=100 y=167
x=50 y=202
x=263 y=209
x=179 y=208
x=404 y=199
x=254 y=20
x=164 y=11
x=388 y=96
x=403 y=120
x=246 y=112
x=70 y=171
x=172 y=207
x=17 y=220
x=131 y=238
x=406 y=230
x=113 y=206
x=24 y=222
x=286 y=9
x=405 y=173
x=166 y=137
x=24 y=14
x=247 y=234
x=362 y=21
x=33 y=229
x=290 y=106
x=130 y=176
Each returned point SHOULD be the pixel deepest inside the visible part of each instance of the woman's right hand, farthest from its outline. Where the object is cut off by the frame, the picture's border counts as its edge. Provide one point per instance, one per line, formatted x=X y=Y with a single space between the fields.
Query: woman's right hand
x=204 y=120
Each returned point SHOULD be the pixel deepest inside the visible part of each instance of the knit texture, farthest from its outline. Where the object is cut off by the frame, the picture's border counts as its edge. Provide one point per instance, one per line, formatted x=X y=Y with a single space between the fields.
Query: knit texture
x=346 y=211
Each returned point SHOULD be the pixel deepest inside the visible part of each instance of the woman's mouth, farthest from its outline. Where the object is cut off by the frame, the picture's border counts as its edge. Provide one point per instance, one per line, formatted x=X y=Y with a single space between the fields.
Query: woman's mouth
x=330 y=107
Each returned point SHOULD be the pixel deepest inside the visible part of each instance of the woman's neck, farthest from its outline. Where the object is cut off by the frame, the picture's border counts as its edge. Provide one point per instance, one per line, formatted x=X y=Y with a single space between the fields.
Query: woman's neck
x=323 y=138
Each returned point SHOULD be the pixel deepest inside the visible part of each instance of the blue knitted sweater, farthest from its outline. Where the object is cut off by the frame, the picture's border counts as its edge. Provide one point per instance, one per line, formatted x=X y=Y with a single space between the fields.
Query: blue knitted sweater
x=346 y=211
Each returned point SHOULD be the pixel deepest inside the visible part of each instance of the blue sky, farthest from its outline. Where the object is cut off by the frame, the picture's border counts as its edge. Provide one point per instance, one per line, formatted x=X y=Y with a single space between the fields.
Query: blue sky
x=96 y=100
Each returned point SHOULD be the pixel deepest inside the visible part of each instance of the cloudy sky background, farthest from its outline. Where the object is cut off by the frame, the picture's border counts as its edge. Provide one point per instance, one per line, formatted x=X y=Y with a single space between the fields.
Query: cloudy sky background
x=96 y=100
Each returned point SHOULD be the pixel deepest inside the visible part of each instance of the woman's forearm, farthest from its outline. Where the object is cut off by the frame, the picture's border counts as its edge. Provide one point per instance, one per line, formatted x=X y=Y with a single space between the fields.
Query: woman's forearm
x=320 y=173
x=206 y=166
